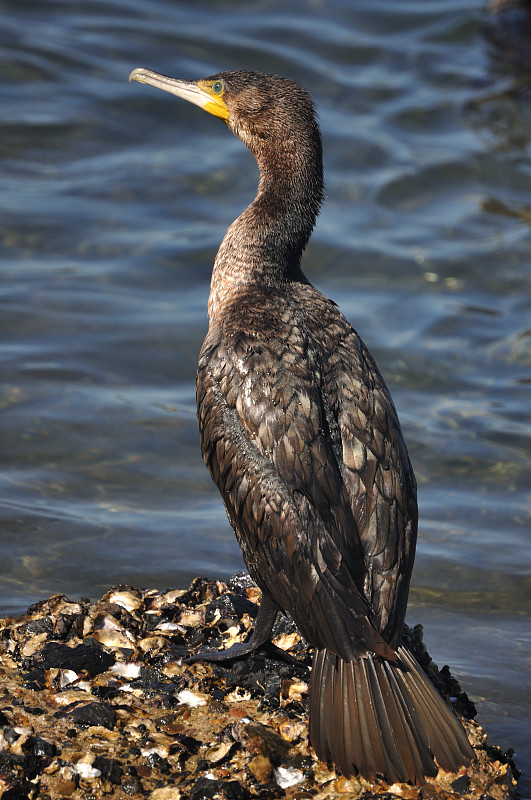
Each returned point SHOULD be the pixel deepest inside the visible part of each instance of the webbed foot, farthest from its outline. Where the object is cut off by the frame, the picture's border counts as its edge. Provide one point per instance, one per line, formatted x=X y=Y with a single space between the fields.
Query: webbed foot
x=261 y=638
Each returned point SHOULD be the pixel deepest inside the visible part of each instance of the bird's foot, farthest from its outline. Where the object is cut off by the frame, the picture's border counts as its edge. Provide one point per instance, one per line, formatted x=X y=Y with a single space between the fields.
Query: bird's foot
x=269 y=649
x=235 y=651
x=260 y=640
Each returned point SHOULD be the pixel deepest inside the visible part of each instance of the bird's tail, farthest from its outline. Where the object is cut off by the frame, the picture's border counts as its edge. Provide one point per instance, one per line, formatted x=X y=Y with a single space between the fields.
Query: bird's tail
x=374 y=717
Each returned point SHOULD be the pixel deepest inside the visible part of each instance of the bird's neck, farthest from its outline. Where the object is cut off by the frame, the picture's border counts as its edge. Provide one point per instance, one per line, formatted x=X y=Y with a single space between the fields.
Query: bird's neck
x=264 y=245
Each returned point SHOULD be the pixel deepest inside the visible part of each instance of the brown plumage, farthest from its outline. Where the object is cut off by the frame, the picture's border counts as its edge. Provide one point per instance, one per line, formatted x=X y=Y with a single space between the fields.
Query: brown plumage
x=302 y=439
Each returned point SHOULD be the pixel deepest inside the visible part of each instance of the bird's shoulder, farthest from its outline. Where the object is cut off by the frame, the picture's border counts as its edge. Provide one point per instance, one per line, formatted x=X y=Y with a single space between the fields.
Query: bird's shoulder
x=293 y=354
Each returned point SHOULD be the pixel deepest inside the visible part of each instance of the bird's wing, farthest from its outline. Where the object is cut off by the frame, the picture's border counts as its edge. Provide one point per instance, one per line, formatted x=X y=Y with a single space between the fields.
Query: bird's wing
x=273 y=448
x=379 y=480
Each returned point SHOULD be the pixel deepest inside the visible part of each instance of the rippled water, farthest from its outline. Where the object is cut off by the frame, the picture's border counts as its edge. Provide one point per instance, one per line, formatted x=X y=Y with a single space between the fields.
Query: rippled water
x=115 y=198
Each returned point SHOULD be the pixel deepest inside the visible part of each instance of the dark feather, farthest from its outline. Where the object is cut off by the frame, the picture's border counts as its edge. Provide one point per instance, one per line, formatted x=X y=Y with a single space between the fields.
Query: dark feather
x=391 y=722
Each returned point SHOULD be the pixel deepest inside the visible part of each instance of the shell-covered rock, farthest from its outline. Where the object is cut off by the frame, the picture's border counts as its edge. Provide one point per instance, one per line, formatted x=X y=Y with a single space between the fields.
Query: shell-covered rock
x=96 y=700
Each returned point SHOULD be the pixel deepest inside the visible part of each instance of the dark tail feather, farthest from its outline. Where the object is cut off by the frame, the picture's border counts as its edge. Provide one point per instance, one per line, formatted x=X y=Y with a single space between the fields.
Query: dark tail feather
x=374 y=717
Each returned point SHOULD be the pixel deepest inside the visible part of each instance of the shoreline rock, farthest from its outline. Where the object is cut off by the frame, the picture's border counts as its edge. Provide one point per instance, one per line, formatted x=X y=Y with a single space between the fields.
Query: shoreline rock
x=95 y=702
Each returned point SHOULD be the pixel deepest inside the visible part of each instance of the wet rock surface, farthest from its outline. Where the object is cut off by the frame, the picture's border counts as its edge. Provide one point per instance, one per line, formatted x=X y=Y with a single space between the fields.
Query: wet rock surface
x=96 y=702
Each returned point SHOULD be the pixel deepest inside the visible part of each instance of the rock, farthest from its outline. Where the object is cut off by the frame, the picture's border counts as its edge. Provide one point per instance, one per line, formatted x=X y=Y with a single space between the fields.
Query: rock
x=165 y=793
x=94 y=714
x=261 y=767
x=66 y=788
x=261 y=740
x=88 y=658
x=110 y=768
x=460 y=785
x=132 y=786
x=39 y=747
x=81 y=719
x=208 y=789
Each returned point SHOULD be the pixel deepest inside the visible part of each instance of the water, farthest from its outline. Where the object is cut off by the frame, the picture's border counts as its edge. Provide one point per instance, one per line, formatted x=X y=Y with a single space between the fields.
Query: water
x=115 y=198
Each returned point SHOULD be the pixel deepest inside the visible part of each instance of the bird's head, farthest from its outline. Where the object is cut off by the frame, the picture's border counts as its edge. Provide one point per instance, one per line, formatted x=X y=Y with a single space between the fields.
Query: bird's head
x=259 y=108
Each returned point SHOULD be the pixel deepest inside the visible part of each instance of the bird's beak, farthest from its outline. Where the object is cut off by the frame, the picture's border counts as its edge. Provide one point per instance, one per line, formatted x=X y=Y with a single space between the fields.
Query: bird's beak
x=199 y=93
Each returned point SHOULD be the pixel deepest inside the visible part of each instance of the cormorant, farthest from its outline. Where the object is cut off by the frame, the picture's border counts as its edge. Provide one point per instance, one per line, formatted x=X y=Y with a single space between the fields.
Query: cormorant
x=302 y=439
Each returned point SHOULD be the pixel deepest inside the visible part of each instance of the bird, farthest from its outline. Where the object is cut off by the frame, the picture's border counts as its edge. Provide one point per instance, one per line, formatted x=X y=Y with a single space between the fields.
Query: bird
x=301 y=437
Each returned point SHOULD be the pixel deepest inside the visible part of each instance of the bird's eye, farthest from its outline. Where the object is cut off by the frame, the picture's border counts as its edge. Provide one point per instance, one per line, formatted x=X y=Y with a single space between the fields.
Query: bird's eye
x=217 y=87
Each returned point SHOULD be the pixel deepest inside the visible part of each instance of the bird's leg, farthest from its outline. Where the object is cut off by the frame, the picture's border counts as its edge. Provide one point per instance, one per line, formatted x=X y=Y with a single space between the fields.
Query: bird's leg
x=261 y=636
